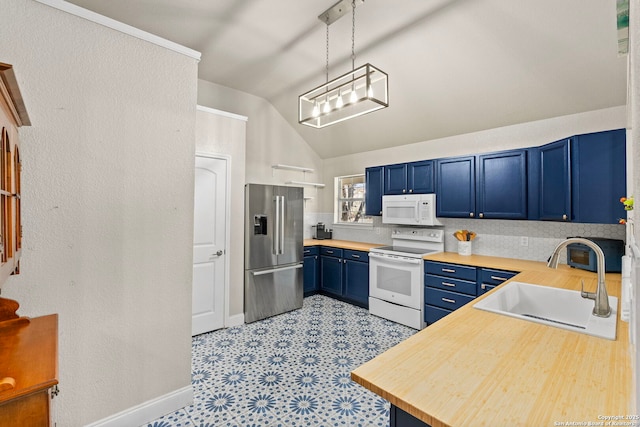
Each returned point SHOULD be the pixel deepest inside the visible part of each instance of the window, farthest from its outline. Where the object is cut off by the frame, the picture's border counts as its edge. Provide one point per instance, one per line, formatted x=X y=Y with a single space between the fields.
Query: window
x=350 y=192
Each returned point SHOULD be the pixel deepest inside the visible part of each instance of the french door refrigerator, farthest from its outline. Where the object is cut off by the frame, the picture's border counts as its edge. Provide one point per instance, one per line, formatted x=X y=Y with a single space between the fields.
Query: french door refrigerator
x=273 y=280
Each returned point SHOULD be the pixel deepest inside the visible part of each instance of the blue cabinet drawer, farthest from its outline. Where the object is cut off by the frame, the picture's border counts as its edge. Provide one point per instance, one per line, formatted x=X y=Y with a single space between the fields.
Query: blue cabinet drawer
x=446 y=299
x=329 y=251
x=356 y=255
x=310 y=250
x=483 y=288
x=450 y=284
x=450 y=270
x=433 y=314
x=494 y=277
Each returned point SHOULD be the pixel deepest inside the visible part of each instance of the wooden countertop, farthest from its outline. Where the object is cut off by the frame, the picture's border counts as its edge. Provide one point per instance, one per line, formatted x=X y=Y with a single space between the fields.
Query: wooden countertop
x=478 y=368
x=344 y=244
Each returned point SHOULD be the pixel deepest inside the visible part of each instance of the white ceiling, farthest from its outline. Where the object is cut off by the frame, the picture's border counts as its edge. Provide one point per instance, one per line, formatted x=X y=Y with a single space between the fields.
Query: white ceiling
x=455 y=66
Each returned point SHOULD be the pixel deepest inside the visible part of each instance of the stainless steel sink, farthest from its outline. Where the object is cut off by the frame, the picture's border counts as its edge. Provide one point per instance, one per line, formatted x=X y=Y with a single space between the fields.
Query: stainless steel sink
x=560 y=308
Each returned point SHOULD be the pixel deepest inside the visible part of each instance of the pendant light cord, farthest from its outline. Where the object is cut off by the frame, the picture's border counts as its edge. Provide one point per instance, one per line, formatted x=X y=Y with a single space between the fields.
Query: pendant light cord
x=353 y=35
x=327 y=68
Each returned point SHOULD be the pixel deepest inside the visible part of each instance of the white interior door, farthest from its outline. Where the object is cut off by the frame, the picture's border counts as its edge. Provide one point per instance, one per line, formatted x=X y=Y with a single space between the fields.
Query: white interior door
x=209 y=253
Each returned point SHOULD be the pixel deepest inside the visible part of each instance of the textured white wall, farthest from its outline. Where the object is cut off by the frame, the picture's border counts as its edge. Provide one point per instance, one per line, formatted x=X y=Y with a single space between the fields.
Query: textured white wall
x=633 y=103
x=270 y=140
x=107 y=205
x=216 y=134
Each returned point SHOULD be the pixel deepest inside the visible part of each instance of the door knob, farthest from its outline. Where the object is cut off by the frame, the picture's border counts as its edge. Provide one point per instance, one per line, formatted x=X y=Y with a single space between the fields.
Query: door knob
x=219 y=253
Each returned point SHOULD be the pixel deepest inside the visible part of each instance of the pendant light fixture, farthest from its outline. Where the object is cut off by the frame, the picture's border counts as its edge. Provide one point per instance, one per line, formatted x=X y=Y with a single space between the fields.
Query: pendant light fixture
x=360 y=91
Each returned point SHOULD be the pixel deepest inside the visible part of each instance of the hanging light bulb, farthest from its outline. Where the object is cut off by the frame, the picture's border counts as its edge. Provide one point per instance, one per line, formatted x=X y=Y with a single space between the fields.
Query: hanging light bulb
x=339 y=101
x=316 y=110
x=327 y=107
x=353 y=98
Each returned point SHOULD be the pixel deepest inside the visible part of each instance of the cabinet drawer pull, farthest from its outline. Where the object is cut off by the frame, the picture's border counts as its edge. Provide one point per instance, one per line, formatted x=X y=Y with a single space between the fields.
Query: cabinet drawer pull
x=307 y=251
x=449 y=284
x=499 y=278
x=358 y=256
x=448 y=300
x=483 y=286
x=329 y=252
x=448 y=270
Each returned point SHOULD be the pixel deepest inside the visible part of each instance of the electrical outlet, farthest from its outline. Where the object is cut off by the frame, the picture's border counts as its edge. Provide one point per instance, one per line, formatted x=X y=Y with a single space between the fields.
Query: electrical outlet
x=377 y=230
x=524 y=241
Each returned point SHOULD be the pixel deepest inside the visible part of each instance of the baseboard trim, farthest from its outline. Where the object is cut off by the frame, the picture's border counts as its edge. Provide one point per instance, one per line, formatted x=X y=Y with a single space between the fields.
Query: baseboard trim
x=149 y=410
x=235 y=320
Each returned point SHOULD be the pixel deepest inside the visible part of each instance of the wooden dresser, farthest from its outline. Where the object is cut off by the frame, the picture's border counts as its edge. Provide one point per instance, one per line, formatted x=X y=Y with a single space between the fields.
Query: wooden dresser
x=28 y=370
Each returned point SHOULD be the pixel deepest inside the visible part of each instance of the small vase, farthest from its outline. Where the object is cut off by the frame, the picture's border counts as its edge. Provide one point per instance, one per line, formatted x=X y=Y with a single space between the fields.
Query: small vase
x=464 y=248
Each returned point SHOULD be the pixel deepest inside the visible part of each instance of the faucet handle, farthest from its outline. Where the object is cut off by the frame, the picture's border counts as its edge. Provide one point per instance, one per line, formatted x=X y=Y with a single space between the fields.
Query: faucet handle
x=587 y=295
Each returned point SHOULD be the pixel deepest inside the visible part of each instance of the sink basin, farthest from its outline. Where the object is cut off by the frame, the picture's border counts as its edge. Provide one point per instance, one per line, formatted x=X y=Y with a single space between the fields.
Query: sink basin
x=560 y=308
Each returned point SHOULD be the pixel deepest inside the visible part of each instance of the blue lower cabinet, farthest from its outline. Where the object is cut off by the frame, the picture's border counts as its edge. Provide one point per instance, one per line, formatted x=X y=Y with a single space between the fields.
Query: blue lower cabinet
x=446 y=299
x=455 y=271
x=311 y=270
x=450 y=284
x=400 y=418
x=356 y=281
x=489 y=278
x=331 y=275
x=433 y=314
x=447 y=288
x=344 y=274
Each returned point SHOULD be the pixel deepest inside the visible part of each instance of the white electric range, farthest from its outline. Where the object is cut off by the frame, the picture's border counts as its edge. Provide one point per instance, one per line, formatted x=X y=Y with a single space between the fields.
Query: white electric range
x=396 y=289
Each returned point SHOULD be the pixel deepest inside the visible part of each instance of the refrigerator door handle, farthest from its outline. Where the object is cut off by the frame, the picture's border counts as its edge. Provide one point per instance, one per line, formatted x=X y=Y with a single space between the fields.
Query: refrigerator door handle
x=274 y=270
x=276 y=224
x=281 y=225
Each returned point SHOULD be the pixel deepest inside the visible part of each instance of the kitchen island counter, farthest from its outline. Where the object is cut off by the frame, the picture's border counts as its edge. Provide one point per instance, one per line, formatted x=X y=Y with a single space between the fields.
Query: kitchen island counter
x=475 y=367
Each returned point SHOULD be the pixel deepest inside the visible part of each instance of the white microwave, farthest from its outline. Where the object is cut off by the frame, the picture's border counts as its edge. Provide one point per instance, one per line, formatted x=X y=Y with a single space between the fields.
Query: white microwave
x=410 y=209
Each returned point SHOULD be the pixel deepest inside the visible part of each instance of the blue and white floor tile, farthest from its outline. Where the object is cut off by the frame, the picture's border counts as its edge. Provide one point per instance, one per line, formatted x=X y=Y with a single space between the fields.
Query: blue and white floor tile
x=289 y=370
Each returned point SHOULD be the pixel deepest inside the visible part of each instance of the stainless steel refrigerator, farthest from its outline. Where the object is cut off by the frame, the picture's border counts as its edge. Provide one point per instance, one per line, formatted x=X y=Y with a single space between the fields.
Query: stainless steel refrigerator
x=273 y=250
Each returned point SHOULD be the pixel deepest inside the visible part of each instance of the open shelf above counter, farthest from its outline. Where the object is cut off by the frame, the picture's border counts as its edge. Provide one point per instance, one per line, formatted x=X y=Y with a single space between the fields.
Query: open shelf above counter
x=292 y=168
x=309 y=184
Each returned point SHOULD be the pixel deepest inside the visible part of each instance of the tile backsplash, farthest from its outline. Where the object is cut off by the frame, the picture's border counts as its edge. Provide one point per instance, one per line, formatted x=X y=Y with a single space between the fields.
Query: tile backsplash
x=502 y=238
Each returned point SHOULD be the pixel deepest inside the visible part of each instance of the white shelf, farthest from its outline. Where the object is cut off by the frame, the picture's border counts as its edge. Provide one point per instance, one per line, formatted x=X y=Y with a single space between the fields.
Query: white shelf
x=292 y=168
x=309 y=184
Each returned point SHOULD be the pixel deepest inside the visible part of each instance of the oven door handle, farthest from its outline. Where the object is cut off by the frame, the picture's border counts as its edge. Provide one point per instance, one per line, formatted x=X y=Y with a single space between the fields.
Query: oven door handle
x=402 y=260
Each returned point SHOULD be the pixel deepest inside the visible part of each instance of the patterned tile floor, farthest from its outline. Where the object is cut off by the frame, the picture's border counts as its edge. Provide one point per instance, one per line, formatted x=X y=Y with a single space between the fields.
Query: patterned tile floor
x=289 y=370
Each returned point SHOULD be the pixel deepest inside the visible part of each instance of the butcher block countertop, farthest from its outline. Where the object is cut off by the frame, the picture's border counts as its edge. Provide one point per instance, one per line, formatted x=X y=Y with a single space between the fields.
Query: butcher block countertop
x=477 y=368
x=344 y=244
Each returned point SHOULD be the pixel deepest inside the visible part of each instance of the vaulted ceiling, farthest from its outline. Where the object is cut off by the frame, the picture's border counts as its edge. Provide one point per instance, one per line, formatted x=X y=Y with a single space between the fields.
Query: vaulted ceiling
x=455 y=66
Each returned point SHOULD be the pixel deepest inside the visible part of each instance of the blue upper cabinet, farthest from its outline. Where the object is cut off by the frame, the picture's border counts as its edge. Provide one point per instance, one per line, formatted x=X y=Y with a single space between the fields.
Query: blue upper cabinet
x=414 y=177
x=374 y=182
x=395 y=179
x=579 y=179
x=598 y=174
x=456 y=187
x=501 y=186
x=553 y=175
x=420 y=177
